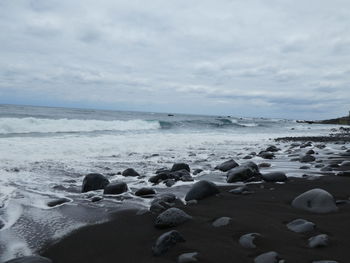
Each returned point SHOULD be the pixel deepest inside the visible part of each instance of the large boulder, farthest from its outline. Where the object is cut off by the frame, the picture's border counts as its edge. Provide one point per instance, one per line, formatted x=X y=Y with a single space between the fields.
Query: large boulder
x=130 y=172
x=166 y=241
x=316 y=201
x=115 y=188
x=274 y=177
x=243 y=173
x=180 y=166
x=171 y=217
x=94 y=181
x=30 y=259
x=228 y=165
x=201 y=190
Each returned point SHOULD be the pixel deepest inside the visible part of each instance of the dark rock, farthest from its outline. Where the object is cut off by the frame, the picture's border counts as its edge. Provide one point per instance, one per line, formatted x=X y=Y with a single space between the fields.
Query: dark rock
x=180 y=166
x=252 y=166
x=247 y=157
x=169 y=182
x=307 y=144
x=162 y=202
x=304 y=167
x=295 y=159
x=171 y=217
x=320 y=165
x=94 y=181
x=266 y=155
x=115 y=188
x=145 y=191
x=307 y=158
x=58 y=202
x=96 y=198
x=264 y=165
x=30 y=259
x=272 y=148
x=162 y=176
x=243 y=190
x=228 y=165
x=241 y=174
x=310 y=151
x=344 y=173
x=274 y=177
x=320 y=146
x=130 y=172
x=197 y=171
x=166 y=241
x=345 y=164
x=201 y=190
x=2 y=224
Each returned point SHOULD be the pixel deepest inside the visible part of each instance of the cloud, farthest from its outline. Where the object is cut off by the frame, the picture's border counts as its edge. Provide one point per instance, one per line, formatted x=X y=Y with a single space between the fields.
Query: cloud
x=259 y=58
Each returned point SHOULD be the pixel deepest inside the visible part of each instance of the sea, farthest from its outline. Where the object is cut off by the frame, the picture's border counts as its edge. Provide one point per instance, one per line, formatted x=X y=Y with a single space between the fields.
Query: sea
x=45 y=152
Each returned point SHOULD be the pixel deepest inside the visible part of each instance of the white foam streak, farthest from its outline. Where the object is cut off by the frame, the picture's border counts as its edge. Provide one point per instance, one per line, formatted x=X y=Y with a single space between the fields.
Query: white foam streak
x=36 y=125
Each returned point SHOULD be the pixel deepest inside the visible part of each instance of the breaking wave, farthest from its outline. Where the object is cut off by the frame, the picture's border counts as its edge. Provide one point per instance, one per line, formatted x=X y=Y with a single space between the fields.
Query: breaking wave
x=37 y=125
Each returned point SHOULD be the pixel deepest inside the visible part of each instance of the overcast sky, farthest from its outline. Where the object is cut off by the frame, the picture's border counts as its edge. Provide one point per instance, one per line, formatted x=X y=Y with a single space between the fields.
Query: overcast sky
x=272 y=58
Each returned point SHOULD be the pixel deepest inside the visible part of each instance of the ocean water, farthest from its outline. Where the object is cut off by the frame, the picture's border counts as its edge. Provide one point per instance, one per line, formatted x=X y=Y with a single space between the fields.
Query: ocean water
x=45 y=153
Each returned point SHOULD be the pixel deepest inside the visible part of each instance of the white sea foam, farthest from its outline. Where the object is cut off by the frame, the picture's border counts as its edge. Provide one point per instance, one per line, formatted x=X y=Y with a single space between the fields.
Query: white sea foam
x=37 y=125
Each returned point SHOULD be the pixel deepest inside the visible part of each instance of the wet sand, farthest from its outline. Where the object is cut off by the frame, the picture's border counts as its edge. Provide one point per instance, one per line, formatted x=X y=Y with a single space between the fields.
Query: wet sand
x=129 y=237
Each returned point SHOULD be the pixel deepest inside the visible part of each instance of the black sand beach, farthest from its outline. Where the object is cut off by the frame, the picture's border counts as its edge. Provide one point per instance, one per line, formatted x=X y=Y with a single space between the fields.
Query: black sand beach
x=129 y=236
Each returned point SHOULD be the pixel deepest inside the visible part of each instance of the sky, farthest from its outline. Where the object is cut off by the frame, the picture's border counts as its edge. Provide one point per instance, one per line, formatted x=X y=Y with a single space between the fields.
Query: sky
x=272 y=58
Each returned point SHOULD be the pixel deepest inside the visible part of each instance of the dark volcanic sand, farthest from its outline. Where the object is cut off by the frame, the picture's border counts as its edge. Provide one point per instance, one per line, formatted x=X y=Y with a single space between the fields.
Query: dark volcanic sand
x=129 y=237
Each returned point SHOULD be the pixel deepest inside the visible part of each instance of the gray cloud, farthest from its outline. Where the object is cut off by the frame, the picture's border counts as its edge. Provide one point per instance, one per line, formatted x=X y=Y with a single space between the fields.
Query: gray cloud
x=270 y=58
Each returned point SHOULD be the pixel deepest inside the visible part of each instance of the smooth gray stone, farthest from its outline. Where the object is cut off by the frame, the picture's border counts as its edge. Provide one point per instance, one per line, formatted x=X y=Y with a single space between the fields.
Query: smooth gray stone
x=222 y=221
x=166 y=241
x=228 y=165
x=171 y=217
x=94 y=181
x=130 y=172
x=188 y=257
x=301 y=226
x=241 y=190
x=275 y=177
x=247 y=240
x=201 y=190
x=268 y=257
x=57 y=202
x=180 y=166
x=307 y=158
x=321 y=240
x=316 y=201
x=115 y=188
x=30 y=259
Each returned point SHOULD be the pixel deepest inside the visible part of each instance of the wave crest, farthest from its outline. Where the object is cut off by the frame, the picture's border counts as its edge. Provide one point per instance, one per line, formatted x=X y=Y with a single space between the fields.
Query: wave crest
x=37 y=125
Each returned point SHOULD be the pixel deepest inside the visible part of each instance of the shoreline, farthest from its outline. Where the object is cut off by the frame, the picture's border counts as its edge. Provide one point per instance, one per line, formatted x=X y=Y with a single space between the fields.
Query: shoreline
x=130 y=233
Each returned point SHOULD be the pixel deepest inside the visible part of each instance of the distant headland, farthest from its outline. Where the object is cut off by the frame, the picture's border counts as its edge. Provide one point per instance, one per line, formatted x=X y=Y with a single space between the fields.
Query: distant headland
x=341 y=121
